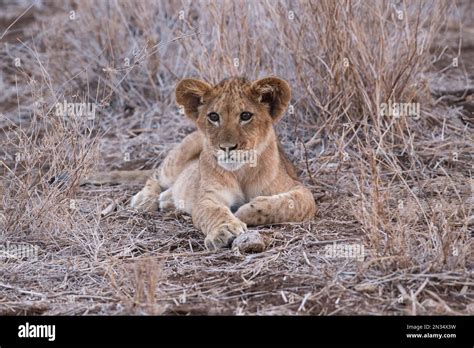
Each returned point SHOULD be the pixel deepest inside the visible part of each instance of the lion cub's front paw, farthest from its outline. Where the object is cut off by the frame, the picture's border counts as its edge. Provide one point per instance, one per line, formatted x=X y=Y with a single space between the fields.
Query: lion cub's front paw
x=256 y=212
x=223 y=235
x=145 y=201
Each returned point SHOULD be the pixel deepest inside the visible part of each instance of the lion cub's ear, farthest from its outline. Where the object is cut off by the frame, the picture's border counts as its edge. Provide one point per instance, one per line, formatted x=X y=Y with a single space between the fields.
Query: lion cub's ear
x=189 y=93
x=273 y=92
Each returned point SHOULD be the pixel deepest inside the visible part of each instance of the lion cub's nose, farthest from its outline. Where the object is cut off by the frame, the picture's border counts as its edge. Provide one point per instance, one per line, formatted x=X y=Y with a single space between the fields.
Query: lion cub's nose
x=227 y=147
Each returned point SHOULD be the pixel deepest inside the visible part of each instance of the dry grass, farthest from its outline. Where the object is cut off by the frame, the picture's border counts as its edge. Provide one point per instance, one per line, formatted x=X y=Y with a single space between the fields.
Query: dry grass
x=400 y=187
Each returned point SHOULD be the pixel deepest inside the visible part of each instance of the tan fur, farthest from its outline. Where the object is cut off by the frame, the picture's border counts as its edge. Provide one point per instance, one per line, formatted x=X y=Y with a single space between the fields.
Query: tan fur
x=197 y=183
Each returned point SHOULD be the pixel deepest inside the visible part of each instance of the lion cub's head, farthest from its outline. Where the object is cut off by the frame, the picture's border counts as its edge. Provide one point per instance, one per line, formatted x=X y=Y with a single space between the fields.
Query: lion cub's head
x=235 y=115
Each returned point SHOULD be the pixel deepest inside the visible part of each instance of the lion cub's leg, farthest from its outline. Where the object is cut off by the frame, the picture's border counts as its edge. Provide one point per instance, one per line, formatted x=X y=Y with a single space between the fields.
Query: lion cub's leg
x=211 y=214
x=147 y=198
x=168 y=172
x=184 y=191
x=295 y=205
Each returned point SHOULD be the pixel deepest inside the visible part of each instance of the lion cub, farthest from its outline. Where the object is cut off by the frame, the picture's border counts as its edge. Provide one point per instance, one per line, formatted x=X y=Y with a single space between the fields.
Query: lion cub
x=232 y=171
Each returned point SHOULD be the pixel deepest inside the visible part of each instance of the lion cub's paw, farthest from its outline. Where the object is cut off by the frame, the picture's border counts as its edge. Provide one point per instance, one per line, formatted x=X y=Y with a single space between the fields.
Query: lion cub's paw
x=166 y=200
x=145 y=201
x=255 y=212
x=224 y=234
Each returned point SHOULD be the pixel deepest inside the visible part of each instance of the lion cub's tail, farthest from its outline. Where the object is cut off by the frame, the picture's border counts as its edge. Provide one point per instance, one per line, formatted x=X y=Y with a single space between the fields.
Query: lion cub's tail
x=165 y=175
x=131 y=177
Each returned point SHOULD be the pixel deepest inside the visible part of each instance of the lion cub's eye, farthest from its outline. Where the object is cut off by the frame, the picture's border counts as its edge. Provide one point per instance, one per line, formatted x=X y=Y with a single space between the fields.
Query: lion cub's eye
x=213 y=117
x=246 y=116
